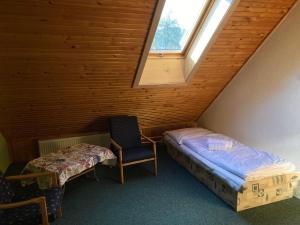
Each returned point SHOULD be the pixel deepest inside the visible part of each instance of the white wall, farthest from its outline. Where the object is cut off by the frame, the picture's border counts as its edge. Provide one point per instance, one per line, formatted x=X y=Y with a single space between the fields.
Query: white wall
x=261 y=106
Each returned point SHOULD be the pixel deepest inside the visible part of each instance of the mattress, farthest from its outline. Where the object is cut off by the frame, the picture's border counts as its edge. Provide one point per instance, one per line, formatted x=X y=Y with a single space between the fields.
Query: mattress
x=233 y=181
x=236 y=166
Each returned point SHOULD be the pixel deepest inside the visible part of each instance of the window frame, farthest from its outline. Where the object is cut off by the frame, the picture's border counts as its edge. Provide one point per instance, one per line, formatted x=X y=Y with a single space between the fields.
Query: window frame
x=208 y=5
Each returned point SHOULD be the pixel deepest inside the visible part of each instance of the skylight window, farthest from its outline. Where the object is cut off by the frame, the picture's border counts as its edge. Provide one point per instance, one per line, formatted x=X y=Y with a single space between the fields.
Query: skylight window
x=187 y=28
x=177 y=24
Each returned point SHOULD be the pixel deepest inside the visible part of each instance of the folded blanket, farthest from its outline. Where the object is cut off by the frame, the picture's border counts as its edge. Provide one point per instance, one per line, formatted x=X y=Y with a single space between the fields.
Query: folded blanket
x=243 y=161
x=215 y=144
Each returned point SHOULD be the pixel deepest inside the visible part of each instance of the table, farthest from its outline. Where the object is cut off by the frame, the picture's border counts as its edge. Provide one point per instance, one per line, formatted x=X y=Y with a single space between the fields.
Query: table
x=71 y=162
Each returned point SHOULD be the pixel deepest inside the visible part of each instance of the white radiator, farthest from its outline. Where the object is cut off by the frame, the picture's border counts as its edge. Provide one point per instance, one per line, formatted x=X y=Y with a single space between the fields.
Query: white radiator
x=52 y=145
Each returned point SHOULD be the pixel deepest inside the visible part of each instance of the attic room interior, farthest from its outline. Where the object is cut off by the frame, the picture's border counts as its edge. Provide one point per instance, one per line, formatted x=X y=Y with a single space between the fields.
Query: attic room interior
x=153 y=112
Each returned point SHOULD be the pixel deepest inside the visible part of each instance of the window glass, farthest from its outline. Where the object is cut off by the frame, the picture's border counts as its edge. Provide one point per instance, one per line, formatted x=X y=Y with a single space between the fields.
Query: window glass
x=177 y=23
x=208 y=29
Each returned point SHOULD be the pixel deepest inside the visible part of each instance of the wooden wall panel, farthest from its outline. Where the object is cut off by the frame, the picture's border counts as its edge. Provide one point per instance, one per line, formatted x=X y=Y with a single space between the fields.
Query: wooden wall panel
x=66 y=65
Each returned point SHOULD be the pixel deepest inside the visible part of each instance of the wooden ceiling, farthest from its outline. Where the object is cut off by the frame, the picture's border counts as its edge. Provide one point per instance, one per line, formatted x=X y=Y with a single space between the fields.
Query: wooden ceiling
x=67 y=65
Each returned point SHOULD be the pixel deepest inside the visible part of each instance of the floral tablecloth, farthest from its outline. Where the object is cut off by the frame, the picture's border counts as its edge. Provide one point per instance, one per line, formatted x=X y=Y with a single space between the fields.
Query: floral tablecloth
x=71 y=161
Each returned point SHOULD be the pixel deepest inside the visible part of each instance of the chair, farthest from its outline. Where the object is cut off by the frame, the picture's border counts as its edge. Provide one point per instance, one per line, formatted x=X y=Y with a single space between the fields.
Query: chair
x=29 y=205
x=126 y=141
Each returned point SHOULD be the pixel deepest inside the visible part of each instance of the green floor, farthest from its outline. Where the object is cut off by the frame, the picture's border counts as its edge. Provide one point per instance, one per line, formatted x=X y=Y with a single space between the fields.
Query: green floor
x=174 y=197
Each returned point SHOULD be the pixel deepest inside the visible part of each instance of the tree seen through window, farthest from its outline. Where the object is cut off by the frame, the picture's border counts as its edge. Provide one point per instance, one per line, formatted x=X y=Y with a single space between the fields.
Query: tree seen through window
x=168 y=35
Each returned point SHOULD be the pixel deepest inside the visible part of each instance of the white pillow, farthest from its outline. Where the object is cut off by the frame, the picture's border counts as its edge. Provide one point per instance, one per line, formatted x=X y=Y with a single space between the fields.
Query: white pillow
x=187 y=133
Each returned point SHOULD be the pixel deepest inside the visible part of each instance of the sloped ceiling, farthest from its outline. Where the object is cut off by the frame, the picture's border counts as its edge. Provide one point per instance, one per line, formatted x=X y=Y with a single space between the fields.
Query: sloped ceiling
x=67 y=65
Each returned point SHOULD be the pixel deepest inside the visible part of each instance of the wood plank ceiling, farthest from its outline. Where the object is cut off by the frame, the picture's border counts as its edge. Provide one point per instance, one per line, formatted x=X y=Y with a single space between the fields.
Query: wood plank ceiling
x=66 y=65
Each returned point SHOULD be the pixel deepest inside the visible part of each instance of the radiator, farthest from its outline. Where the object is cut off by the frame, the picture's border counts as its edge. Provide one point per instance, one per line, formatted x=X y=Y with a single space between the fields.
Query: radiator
x=52 y=145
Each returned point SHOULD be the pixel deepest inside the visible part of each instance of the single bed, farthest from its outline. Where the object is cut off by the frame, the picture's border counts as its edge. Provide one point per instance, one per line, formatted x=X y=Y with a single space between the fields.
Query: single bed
x=228 y=173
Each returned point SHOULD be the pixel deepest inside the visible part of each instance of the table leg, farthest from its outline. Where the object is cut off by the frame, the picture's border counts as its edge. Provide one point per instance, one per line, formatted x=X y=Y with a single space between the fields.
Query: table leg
x=95 y=175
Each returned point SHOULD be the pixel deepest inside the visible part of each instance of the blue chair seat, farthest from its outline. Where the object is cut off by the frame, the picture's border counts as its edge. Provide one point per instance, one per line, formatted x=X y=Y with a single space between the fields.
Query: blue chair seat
x=30 y=214
x=25 y=215
x=135 y=154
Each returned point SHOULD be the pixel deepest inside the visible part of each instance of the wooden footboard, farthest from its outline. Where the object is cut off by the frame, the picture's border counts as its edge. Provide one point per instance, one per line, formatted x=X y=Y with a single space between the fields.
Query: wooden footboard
x=254 y=193
x=266 y=191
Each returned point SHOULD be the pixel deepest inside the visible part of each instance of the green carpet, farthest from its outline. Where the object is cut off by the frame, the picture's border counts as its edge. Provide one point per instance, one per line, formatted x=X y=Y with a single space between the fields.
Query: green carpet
x=174 y=197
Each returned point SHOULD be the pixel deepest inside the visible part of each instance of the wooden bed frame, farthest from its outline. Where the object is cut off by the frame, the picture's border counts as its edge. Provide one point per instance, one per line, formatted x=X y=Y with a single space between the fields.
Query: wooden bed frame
x=255 y=193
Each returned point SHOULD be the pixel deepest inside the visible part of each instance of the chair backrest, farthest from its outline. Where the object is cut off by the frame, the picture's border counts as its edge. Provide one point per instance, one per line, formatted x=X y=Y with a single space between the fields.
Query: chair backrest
x=125 y=131
x=6 y=191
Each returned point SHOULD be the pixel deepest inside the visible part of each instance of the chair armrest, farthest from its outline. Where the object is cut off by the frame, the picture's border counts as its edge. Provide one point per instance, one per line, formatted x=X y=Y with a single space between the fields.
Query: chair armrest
x=151 y=141
x=35 y=175
x=41 y=201
x=148 y=139
x=114 y=143
x=118 y=147
x=36 y=200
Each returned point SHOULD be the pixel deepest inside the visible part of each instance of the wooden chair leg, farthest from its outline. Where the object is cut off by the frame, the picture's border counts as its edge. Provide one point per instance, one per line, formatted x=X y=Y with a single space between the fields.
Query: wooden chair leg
x=59 y=213
x=155 y=166
x=121 y=174
x=44 y=212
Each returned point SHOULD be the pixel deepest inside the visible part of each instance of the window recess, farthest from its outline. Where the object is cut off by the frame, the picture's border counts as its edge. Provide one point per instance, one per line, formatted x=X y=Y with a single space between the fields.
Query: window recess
x=180 y=34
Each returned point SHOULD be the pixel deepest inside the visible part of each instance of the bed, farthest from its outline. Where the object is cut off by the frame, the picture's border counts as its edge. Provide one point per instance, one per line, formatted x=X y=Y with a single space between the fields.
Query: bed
x=242 y=176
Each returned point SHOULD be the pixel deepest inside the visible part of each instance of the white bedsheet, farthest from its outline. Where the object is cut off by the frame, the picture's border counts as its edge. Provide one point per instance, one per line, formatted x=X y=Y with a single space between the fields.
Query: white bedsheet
x=243 y=161
x=232 y=180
